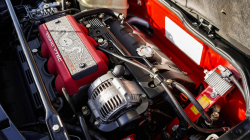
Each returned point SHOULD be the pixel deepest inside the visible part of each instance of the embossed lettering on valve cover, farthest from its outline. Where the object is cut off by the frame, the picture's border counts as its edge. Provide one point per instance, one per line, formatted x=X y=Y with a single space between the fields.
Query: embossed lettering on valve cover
x=71 y=48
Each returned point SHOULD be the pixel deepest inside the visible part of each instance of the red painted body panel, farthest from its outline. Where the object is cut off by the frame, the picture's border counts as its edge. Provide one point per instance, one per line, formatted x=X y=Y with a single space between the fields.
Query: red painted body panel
x=59 y=68
x=232 y=106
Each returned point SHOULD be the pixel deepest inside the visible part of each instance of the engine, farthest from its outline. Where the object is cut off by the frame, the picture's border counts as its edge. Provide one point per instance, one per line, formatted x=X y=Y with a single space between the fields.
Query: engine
x=71 y=53
x=119 y=95
x=90 y=69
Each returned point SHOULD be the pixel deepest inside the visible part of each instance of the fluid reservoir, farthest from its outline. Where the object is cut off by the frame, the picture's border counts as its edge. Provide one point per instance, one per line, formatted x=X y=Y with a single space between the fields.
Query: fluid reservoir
x=119 y=6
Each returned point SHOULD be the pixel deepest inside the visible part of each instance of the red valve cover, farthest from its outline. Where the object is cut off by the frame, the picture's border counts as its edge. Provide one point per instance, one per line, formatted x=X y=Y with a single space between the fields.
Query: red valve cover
x=71 y=54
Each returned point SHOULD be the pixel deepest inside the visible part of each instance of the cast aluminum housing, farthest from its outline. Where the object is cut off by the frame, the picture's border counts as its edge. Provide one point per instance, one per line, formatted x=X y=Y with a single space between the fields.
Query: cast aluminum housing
x=220 y=84
x=109 y=97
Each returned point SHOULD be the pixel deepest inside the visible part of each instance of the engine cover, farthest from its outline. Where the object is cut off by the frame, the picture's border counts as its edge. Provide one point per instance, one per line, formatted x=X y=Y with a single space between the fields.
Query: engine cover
x=71 y=53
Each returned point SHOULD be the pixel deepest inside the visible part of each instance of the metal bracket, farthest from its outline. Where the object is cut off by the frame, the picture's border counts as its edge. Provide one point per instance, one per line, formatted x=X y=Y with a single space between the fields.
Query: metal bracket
x=206 y=24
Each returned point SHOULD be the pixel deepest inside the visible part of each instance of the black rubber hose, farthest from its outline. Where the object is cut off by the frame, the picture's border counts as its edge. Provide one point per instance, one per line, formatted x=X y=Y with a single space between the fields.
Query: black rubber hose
x=84 y=128
x=28 y=36
x=76 y=130
x=63 y=4
x=128 y=61
x=95 y=11
x=184 y=115
x=191 y=97
x=138 y=21
x=61 y=104
x=181 y=131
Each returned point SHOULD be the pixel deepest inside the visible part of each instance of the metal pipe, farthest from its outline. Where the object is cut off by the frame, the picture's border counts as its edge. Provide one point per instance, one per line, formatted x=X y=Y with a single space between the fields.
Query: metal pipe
x=52 y=118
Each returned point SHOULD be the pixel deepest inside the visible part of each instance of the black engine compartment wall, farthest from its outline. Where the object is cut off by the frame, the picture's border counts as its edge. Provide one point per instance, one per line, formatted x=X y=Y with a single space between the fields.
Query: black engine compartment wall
x=230 y=16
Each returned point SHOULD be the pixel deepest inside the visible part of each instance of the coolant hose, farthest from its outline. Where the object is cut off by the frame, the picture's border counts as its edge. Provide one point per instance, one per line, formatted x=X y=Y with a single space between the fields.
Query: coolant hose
x=95 y=11
x=181 y=131
x=76 y=130
x=138 y=21
x=191 y=97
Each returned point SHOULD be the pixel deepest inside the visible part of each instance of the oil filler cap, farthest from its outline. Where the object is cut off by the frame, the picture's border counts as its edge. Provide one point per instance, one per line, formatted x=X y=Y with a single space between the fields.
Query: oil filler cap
x=145 y=51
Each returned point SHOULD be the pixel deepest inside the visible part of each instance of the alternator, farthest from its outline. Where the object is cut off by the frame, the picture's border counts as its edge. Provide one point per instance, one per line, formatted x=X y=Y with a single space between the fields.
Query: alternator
x=110 y=97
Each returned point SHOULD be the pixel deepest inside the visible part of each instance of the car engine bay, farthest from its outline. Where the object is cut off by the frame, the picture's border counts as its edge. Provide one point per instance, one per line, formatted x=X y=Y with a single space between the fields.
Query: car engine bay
x=69 y=72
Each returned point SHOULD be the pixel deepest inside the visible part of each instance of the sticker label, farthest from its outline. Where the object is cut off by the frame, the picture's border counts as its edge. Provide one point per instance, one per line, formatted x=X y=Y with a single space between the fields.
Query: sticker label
x=183 y=40
x=204 y=102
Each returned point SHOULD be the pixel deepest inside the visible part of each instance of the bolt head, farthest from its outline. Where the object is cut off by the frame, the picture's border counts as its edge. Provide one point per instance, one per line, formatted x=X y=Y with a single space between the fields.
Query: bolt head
x=144 y=95
x=216 y=114
x=100 y=41
x=56 y=128
x=169 y=81
x=85 y=113
x=213 y=94
x=88 y=26
x=211 y=35
x=46 y=6
x=35 y=50
x=206 y=71
x=57 y=21
x=84 y=108
x=82 y=65
x=152 y=85
x=195 y=24
x=96 y=123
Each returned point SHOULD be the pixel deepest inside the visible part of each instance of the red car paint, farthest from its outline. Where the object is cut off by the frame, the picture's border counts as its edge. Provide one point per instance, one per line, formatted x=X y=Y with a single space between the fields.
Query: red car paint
x=57 y=66
x=232 y=106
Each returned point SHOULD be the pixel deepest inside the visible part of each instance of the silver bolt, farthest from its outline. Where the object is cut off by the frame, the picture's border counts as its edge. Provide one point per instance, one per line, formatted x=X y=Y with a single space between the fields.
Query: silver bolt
x=46 y=6
x=206 y=71
x=56 y=128
x=144 y=95
x=101 y=15
x=201 y=19
x=169 y=82
x=35 y=50
x=96 y=123
x=57 y=21
x=84 y=108
x=82 y=65
x=211 y=35
x=215 y=116
x=85 y=113
x=213 y=94
x=152 y=85
x=100 y=41
x=88 y=26
x=195 y=24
